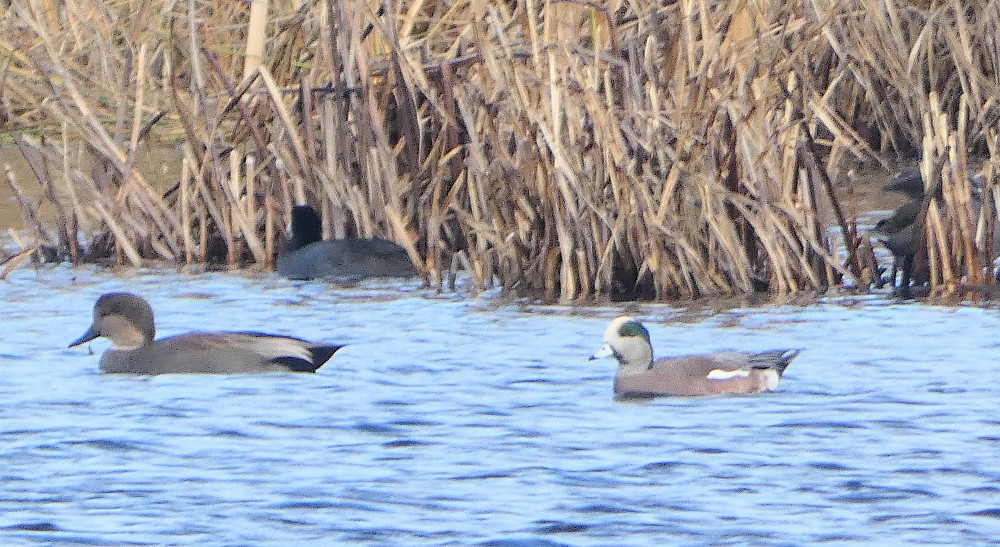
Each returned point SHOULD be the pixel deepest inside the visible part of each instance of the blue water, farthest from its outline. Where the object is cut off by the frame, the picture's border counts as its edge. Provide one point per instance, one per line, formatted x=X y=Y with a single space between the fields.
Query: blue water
x=462 y=418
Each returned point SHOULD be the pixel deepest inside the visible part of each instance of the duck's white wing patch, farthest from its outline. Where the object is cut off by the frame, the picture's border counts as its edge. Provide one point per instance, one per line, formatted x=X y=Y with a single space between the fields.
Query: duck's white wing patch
x=278 y=347
x=268 y=346
x=718 y=374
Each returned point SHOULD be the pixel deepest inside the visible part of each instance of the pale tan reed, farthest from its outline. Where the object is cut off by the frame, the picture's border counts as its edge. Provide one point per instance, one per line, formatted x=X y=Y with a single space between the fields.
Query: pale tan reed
x=569 y=149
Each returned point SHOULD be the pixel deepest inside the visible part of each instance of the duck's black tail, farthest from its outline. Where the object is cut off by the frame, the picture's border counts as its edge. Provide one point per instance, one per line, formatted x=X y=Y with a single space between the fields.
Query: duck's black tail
x=318 y=354
x=778 y=359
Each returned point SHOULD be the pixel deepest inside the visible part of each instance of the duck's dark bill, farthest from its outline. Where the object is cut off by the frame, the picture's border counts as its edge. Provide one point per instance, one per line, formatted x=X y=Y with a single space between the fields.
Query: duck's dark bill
x=87 y=336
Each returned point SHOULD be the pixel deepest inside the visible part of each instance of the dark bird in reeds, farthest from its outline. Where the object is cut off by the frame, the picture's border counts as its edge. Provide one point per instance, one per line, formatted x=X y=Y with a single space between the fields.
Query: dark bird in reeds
x=910 y=183
x=127 y=320
x=900 y=231
x=308 y=256
x=898 y=234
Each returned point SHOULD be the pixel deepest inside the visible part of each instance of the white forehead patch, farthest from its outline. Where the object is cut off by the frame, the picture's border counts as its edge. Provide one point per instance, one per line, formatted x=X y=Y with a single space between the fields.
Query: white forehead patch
x=727 y=374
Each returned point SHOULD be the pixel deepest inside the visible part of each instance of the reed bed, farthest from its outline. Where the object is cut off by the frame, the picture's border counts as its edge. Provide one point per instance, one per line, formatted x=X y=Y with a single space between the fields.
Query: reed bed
x=571 y=149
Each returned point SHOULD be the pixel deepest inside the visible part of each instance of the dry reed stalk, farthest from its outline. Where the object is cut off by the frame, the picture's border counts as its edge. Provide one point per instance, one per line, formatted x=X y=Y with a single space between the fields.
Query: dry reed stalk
x=203 y=234
x=270 y=217
x=11 y=262
x=211 y=210
x=36 y=162
x=185 y=205
x=960 y=200
x=987 y=226
x=122 y=240
x=29 y=210
x=952 y=242
x=242 y=215
x=256 y=30
x=290 y=128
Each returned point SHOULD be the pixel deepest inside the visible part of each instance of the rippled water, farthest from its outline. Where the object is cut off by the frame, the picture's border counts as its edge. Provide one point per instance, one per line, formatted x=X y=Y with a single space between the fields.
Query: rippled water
x=462 y=419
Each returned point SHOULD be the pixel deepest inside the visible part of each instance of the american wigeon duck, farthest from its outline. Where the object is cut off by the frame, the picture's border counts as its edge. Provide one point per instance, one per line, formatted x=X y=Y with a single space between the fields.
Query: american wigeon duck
x=308 y=256
x=638 y=375
x=127 y=320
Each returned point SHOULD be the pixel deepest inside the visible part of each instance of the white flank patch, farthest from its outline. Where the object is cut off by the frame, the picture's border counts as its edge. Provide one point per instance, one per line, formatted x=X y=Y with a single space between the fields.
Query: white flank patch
x=727 y=374
x=771 y=379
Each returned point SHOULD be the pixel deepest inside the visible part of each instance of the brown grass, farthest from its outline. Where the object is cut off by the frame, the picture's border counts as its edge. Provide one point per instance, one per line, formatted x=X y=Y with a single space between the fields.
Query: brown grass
x=567 y=148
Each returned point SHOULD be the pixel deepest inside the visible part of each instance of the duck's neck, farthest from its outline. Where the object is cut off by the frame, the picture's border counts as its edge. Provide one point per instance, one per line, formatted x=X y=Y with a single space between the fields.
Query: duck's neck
x=127 y=336
x=300 y=239
x=626 y=368
x=634 y=356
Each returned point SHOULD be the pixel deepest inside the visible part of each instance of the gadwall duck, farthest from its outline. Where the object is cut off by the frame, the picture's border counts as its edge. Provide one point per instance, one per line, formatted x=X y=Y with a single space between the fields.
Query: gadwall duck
x=308 y=256
x=127 y=320
x=725 y=372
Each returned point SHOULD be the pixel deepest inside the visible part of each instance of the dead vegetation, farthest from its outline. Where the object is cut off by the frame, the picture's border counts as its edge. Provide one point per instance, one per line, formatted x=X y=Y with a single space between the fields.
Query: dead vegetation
x=571 y=149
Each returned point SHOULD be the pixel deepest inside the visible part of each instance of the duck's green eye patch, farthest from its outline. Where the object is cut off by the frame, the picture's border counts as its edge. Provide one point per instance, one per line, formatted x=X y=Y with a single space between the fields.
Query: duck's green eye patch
x=633 y=328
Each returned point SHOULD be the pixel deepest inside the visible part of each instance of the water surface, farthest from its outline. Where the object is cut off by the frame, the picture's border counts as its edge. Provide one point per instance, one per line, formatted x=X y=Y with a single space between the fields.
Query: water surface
x=457 y=419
